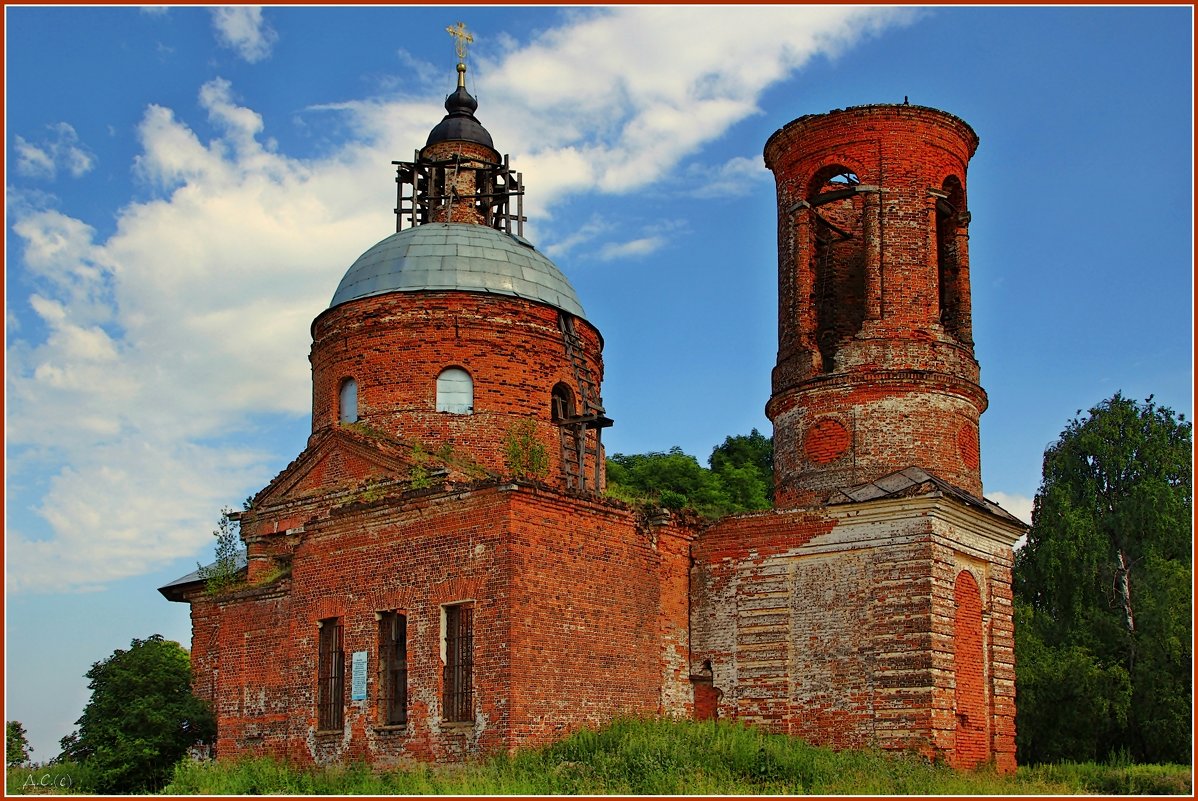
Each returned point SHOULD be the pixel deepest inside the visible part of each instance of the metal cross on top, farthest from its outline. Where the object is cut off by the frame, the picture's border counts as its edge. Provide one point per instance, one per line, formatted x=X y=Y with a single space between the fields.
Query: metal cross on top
x=461 y=37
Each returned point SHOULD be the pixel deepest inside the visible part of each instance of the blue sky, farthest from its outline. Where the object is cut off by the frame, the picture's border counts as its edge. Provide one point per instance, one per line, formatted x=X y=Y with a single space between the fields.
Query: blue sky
x=186 y=186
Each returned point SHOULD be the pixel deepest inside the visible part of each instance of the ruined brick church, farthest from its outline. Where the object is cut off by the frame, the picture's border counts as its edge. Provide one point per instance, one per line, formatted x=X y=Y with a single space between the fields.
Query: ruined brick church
x=438 y=575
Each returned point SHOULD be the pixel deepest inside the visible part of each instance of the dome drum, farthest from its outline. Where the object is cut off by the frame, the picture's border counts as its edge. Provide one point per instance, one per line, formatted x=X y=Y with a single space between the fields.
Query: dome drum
x=396 y=345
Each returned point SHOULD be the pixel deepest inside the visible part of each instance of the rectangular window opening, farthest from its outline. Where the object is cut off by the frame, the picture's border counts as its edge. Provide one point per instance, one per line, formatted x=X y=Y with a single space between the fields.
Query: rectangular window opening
x=393 y=669
x=458 y=700
x=330 y=695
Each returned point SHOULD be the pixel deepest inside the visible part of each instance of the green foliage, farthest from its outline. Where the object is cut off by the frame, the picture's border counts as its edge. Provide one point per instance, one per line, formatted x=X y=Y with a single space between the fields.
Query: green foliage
x=745 y=464
x=740 y=478
x=1070 y=705
x=224 y=574
x=141 y=719
x=1115 y=779
x=1104 y=591
x=16 y=744
x=419 y=475
x=371 y=490
x=524 y=455
x=674 y=480
x=60 y=777
x=667 y=757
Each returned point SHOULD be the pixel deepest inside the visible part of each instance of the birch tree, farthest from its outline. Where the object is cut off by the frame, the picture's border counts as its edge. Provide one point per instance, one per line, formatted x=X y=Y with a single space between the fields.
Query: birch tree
x=1110 y=539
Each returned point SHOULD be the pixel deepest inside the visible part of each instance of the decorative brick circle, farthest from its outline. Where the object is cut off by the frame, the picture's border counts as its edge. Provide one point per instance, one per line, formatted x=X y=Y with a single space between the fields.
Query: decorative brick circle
x=826 y=440
x=967 y=445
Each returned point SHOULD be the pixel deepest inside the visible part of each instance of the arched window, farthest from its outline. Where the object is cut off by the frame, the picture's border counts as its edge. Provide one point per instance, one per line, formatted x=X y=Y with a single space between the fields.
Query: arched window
x=950 y=212
x=349 y=401
x=562 y=404
x=455 y=391
x=838 y=258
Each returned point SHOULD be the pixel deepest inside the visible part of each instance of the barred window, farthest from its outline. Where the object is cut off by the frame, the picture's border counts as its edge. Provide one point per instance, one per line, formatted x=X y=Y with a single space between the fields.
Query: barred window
x=330 y=695
x=393 y=669
x=458 y=700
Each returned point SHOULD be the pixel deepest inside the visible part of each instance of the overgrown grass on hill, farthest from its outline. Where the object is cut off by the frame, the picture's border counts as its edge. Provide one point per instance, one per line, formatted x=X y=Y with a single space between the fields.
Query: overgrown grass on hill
x=668 y=758
x=60 y=778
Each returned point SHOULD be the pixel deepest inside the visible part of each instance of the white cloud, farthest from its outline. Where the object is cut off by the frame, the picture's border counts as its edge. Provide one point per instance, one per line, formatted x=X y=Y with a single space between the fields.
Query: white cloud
x=158 y=346
x=60 y=151
x=618 y=99
x=1018 y=505
x=736 y=177
x=632 y=248
x=243 y=29
x=136 y=503
x=583 y=234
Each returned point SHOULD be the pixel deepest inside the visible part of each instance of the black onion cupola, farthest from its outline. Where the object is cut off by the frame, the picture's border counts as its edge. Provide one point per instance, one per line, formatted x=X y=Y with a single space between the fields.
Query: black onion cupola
x=460 y=124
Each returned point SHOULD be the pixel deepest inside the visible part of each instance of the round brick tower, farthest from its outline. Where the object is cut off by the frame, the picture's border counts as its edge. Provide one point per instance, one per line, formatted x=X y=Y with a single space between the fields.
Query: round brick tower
x=875 y=368
x=455 y=333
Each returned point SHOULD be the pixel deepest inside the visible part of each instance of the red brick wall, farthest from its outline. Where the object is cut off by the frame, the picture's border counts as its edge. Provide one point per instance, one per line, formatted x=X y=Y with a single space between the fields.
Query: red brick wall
x=395 y=346
x=990 y=569
x=350 y=563
x=598 y=617
x=862 y=345
x=579 y=615
x=971 y=743
x=840 y=626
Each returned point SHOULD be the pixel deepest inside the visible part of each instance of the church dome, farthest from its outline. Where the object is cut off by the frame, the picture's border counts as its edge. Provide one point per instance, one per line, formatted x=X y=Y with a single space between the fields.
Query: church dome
x=460 y=124
x=461 y=257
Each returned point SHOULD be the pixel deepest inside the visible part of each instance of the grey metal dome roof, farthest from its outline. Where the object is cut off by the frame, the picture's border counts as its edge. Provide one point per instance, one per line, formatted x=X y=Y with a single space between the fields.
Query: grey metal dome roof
x=457 y=256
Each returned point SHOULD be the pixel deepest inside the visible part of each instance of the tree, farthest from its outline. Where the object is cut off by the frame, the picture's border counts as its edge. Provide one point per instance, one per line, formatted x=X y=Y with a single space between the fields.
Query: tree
x=1103 y=585
x=674 y=479
x=16 y=744
x=141 y=719
x=745 y=465
x=740 y=478
x=225 y=573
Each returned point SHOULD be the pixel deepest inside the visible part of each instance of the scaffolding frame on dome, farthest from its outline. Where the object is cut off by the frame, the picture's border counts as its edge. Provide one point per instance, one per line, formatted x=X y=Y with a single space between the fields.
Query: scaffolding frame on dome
x=427 y=191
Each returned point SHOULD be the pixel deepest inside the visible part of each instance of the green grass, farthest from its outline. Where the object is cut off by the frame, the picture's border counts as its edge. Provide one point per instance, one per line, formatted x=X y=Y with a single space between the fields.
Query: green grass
x=63 y=778
x=653 y=757
x=668 y=758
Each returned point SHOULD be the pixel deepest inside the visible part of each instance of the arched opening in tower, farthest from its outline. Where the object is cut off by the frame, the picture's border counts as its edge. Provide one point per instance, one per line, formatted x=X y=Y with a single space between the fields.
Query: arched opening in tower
x=950 y=213
x=838 y=253
x=562 y=404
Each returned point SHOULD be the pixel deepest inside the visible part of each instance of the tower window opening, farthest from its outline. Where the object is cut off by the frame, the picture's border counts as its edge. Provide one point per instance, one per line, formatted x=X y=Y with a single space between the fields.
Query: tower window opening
x=562 y=403
x=950 y=215
x=455 y=391
x=838 y=259
x=348 y=401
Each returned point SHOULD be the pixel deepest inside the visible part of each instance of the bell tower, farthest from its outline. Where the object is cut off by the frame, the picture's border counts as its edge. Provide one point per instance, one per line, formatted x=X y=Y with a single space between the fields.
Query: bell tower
x=875 y=371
